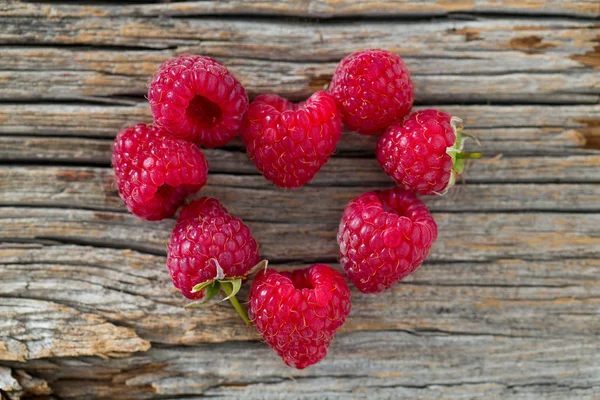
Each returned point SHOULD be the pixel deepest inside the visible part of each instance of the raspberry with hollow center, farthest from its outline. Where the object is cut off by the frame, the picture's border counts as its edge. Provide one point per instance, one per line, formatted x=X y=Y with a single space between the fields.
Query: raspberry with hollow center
x=373 y=90
x=297 y=313
x=289 y=143
x=424 y=153
x=156 y=171
x=384 y=236
x=197 y=99
x=207 y=236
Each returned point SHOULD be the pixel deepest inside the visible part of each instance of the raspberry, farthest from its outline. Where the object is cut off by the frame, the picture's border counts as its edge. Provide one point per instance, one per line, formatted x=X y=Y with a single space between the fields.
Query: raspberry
x=384 y=236
x=297 y=313
x=289 y=143
x=156 y=171
x=373 y=90
x=425 y=153
x=198 y=99
x=208 y=243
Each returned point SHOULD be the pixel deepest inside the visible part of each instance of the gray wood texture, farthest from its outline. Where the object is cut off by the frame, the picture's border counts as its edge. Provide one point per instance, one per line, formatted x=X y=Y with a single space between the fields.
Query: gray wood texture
x=506 y=306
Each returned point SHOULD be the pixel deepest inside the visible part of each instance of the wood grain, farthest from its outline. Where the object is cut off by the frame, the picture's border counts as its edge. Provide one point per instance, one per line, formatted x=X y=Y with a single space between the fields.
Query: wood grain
x=311 y=8
x=506 y=306
x=106 y=120
x=36 y=329
x=252 y=196
x=132 y=289
x=497 y=60
x=451 y=366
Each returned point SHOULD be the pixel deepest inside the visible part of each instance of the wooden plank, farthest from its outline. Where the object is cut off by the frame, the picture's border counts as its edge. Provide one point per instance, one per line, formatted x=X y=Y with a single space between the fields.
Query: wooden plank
x=427 y=366
x=282 y=40
x=133 y=289
x=311 y=8
x=501 y=66
x=467 y=75
x=252 y=196
x=462 y=236
x=542 y=141
x=519 y=87
x=139 y=64
x=106 y=120
x=506 y=141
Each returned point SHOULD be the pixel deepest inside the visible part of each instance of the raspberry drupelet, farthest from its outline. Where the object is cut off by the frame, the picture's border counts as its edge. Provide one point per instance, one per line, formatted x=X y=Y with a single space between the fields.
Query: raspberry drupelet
x=289 y=143
x=155 y=171
x=384 y=236
x=297 y=313
x=197 y=99
x=373 y=90
x=424 y=153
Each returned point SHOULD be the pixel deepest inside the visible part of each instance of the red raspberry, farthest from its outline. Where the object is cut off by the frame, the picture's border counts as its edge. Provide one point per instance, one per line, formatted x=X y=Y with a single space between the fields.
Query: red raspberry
x=384 y=236
x=297 y=313
x=425 y=153
x=373 y=90
x=198 y=99
x=206 y=235
x=156 y=171
x=289 y=142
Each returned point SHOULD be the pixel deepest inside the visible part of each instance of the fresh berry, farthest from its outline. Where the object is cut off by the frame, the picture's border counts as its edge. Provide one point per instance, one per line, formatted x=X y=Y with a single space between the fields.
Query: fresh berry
x=197 y=99
x=289 y=142
x=297 y=313
x=425 y=153
x=373 y=90
x=384 y=236
x=207 y=245
x=156 y=171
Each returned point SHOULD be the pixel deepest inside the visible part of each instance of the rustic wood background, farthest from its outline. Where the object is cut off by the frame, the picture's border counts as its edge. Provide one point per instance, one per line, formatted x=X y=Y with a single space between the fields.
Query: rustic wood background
x=506 y=306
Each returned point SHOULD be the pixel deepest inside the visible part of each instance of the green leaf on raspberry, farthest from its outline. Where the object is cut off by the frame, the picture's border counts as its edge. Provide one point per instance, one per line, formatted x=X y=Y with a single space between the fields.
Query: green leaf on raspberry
x=230 y=286
x=261 y=265
x=457 y=153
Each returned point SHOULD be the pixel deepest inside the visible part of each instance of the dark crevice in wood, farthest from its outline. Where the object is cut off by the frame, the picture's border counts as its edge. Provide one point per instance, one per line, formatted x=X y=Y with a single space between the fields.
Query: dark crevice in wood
x=135 y=100
x=100 y=243
x=36 y=162
x=79 y=46
x=83 y=264
x=116 y=101
x=496 y=260
x=430 y=283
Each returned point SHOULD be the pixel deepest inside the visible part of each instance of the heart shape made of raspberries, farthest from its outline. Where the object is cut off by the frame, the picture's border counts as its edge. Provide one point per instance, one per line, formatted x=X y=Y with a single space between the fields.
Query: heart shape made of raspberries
x=289 y=143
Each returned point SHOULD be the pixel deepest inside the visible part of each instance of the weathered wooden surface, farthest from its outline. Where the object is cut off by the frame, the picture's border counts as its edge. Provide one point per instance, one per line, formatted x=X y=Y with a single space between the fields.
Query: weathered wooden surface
x=505 y=307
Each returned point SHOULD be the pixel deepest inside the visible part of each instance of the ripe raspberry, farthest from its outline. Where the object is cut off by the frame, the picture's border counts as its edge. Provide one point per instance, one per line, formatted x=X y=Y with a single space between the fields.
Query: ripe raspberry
x=373 y=90
x=198 y=99
x=424 y=153
x=289 y=143
x=384 y=236
x=208 y=243
x=156 y=171
x=297 y=313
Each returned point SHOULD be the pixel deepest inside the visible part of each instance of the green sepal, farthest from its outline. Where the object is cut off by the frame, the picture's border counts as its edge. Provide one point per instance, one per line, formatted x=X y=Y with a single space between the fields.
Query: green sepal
x=236 y=285
x=210 y=291
x=263 y=264
x=457 y=153
x=201 y=286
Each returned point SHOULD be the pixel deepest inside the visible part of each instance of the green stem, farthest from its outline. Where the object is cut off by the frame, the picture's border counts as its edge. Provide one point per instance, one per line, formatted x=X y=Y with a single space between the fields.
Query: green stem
x=236 y=304
x=469 y=155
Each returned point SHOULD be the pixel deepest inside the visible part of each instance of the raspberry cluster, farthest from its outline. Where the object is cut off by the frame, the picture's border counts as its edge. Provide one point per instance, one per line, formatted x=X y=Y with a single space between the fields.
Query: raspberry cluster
x=383 y=236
